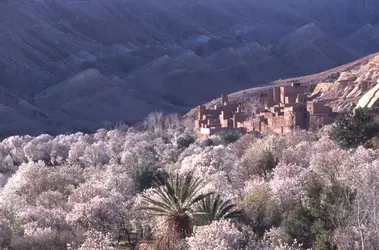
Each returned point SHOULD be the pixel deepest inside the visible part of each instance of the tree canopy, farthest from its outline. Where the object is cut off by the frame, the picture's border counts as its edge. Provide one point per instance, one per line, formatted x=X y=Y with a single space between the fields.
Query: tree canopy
x=355 y=128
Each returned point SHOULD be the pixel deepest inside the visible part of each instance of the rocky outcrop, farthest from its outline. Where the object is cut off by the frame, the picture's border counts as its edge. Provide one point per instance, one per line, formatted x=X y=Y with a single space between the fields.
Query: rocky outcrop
x=356 y=84
x=370 y=99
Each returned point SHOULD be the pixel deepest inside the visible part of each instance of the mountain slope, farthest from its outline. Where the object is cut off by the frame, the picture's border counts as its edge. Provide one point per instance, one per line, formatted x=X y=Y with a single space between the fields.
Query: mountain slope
x=18 y=115
x=339 y=87
x=310 y=48
x=46 y=36
x=364 y=40
x=89 y=98
x=163 y=55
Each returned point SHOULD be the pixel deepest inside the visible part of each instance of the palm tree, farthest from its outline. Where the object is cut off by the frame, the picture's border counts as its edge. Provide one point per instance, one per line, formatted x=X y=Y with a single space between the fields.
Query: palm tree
x=174 y=200
x=214 y=208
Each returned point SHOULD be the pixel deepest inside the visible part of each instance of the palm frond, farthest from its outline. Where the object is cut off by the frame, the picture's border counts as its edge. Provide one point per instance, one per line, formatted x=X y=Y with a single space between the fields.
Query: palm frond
x=214 y=208
x=174 y=200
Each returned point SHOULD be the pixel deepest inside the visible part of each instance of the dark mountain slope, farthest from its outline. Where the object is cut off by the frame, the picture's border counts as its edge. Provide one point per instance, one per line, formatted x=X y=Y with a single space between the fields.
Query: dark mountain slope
x=364 y=40
x=164 y=55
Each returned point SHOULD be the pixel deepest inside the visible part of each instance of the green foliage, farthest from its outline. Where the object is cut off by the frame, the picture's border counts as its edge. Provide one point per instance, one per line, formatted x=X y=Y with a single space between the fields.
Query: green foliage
x=214 y=208
x=175 y=201
x=145 y=172
x=144 y=176
x=184 y=142
x=355 y=128
x=298 y=225
x=229 y=137
x=182 y=205
x=312 y=223
x=266 y=163
x=16 y=225
x=261 y=211
x=208 y=142
x=323 y=241
x=374 y=142
x=256 y=163
x=321 y=215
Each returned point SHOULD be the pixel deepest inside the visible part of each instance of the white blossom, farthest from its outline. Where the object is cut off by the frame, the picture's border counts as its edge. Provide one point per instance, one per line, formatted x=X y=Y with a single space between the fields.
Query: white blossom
x=220 y=235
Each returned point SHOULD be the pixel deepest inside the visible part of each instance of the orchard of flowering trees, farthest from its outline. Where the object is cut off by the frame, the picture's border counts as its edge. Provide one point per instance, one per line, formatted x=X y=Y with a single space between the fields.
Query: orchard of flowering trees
x=161 y=187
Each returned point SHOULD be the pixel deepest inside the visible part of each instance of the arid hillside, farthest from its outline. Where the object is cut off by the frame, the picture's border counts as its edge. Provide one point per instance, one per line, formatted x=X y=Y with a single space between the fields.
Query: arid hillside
x=340 y=87
x=81 y=63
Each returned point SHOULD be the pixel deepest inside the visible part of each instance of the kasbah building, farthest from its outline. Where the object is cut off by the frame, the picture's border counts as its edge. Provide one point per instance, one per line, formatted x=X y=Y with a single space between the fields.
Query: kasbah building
x=285 y=108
